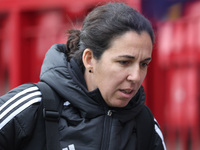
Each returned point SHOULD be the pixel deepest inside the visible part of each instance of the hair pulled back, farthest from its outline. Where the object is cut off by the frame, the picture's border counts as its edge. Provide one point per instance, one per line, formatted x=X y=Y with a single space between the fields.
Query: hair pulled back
x=104 y=24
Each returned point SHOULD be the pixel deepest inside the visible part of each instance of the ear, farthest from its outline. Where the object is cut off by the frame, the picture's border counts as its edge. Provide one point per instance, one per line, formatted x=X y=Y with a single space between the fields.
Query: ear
x=87 y=58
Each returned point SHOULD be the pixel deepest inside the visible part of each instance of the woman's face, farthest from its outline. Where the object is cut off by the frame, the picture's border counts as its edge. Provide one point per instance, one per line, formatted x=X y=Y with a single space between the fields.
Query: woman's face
x=122 y=68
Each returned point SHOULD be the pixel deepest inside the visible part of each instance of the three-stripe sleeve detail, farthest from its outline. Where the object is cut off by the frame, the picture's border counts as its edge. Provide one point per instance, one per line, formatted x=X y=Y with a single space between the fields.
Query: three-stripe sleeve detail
x=18 y=103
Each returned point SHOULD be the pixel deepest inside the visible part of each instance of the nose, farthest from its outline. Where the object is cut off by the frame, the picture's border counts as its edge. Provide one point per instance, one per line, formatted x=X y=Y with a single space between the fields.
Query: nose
x=134 y=75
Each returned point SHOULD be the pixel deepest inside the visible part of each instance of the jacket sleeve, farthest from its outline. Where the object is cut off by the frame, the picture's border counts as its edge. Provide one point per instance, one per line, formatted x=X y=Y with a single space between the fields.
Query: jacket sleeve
x=159 y=143
x=18 y=109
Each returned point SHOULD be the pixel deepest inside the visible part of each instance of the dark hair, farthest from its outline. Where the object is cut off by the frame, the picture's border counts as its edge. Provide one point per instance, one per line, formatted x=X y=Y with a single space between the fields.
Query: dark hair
x=102 y=25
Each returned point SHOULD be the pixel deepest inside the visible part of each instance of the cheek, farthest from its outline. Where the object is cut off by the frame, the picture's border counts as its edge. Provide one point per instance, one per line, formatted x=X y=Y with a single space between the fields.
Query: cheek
x=143 y=76
x=110 y=85
x=107 y=75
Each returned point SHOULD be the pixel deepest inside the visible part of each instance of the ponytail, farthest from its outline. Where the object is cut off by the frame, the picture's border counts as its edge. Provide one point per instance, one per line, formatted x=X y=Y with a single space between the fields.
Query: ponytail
x=72 y=44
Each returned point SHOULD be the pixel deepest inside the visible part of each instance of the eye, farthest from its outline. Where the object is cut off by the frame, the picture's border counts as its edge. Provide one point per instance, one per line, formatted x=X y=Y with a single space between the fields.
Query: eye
x=124 y=62
x=144 y=64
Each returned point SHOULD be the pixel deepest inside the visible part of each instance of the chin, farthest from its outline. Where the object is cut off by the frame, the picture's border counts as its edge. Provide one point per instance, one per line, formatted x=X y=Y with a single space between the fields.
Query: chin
x=119 y=105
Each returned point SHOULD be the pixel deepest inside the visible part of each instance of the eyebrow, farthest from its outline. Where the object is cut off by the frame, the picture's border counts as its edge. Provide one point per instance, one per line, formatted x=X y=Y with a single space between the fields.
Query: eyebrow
x=132 y=57
x=127 y=56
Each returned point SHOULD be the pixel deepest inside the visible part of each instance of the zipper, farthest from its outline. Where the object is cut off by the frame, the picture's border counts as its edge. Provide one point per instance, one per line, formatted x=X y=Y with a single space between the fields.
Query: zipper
x=107 y=130
x=109 y=113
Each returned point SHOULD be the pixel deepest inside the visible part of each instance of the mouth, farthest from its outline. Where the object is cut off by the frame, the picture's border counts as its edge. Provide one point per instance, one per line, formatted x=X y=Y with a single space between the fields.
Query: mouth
x=126 y=95
x=126 y=91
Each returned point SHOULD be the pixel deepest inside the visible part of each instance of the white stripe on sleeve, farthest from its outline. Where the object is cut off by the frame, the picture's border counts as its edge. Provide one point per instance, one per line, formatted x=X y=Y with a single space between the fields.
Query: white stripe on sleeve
x=18 y=95
x=19 y=102
x=158 y=131
x=17 y=111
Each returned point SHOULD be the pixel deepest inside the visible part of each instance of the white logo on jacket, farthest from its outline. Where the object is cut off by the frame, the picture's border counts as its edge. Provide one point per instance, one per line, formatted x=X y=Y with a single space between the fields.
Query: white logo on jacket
x=70 y=147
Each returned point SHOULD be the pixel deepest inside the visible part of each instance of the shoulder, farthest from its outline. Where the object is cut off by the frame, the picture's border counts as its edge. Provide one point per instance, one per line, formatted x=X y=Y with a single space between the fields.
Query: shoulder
x=159 y=142
x=148 y=127
x=17 y=101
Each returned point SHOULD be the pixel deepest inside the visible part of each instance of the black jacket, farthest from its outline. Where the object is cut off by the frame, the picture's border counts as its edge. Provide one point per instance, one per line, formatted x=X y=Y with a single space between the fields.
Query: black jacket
x=84 y=123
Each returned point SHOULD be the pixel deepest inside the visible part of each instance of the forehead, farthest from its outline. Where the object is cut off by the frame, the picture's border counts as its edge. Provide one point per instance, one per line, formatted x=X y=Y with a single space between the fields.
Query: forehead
x=130 y=43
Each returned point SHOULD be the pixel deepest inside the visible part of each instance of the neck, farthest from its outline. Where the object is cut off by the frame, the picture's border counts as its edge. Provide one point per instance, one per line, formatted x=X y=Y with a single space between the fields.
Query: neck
x=89 y=81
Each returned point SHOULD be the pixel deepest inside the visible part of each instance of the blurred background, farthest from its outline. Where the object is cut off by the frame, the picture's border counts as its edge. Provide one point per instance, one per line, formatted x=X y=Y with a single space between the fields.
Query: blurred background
x=28 y=28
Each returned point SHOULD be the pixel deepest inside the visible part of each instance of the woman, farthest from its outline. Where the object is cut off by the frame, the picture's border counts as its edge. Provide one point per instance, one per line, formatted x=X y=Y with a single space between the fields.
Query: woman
x=98 y=75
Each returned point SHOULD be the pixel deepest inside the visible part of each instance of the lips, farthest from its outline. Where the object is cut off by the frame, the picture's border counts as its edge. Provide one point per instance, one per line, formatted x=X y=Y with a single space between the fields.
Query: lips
x=127 y=91
x=126 y=94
